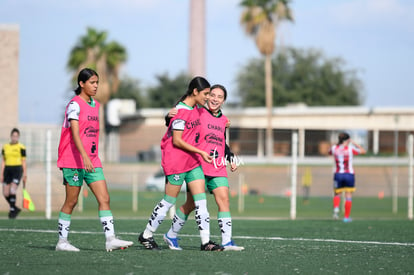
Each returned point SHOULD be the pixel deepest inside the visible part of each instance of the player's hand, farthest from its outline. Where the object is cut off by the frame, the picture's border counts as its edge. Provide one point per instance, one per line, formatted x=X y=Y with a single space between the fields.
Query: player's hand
x=233 y=166
x=88 y=165
x=206 y=157
x=172 y=112
x=24 y=179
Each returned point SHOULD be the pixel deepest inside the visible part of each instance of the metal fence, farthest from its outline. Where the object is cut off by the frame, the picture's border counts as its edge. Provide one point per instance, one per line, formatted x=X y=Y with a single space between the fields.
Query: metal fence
x=375 y=176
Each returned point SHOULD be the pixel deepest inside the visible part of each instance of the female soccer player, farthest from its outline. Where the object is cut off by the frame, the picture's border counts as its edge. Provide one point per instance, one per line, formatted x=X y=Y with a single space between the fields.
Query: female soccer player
x=214 y=141
x=13 y=168
x=180 y=148
x=344 y=176
x=79 y=161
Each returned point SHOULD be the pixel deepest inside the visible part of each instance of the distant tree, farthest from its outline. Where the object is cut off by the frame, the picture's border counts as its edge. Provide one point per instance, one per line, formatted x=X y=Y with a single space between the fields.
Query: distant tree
x=168 y=90
x=129 y=88
x=93 y=51
x=260 y=19
x=301 y=76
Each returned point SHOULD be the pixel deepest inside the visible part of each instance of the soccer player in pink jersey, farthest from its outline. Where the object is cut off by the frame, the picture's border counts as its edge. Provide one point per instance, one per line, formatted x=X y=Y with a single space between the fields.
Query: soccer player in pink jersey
x=213 y=140
x=344 y=176
x=181 y=161
x=79 y=161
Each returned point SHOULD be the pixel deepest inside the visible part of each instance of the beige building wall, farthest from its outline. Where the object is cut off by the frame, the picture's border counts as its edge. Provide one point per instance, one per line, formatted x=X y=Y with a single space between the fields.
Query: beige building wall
x=9 y=78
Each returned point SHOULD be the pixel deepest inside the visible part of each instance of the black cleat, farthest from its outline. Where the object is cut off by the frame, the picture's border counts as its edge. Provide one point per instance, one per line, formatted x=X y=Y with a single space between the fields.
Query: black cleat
x=148 y=243
x=211 y=246
x=13 y=213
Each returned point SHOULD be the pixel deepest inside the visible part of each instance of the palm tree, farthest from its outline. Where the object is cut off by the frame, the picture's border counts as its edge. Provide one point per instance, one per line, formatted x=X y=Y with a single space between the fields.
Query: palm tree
x=260 y=19
x=93 y=51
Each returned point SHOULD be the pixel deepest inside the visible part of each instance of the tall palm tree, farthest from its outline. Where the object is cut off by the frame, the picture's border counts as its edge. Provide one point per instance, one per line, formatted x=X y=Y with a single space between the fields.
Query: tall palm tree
x=93 y=51
x=260 y=19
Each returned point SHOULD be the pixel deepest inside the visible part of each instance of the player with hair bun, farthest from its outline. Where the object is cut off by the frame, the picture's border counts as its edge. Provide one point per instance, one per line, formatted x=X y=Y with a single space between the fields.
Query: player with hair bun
x=344 y=176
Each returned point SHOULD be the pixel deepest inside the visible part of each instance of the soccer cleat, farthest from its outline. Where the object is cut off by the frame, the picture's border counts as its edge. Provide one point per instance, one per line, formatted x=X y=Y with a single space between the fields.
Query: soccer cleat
x=347 y=220
x=113 y=243
x=64 y=245
x=148 y=243
x=335 y=213
x=231 y=246
x=211 y=246
x=13 y=213
x=172 y=243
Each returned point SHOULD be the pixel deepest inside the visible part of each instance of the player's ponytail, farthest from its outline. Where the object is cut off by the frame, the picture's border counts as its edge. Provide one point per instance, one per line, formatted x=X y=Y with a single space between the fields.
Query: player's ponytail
x=83 y=76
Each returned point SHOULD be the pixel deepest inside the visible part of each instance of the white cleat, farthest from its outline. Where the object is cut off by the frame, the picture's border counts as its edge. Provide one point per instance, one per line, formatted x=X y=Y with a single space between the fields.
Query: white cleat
x=64 y=245
x=335 y=213
x=231 y=246
x=113 y=243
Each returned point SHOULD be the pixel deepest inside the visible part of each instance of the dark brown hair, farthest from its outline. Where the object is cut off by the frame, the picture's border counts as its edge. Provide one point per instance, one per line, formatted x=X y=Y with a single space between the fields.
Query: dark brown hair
x=342 y=137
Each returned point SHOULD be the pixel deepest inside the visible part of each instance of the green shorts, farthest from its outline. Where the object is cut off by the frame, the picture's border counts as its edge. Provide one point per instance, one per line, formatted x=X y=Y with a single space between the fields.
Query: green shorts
x=192 y=175
x=214 y=182
x=75 y=177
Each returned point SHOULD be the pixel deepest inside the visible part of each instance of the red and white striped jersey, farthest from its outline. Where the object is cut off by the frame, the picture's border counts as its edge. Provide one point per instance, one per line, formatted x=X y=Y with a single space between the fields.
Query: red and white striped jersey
x=343 y=157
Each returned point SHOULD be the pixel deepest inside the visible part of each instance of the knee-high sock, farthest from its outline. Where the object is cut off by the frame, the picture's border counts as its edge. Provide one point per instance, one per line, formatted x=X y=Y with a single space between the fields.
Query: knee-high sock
x=63 y=225
x=12 y=201
x=336 y=201
x=202 y=217
x=224 y=221
x=348 y=206
x=178 y=222
x=107 y=221
x=7 y=199
x=158 y=215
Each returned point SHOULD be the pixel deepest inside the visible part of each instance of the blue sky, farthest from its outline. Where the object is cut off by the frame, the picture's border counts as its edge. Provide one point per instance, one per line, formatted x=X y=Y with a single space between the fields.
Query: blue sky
x=374 y=37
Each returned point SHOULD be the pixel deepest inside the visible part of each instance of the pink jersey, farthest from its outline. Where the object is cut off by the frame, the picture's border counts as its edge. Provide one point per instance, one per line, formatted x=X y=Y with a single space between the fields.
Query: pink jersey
x=343 y=157
x=213 y=142
x=173 y=159
x=88 y=117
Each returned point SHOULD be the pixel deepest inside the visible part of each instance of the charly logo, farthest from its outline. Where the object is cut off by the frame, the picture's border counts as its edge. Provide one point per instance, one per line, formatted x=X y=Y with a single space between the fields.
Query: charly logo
x=224 y=160
x=93 y=118
x=193 y=124
x=91 y=131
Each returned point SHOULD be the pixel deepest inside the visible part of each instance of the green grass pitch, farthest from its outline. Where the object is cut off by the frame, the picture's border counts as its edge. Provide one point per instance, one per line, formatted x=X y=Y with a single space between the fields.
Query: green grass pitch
x=376 y=242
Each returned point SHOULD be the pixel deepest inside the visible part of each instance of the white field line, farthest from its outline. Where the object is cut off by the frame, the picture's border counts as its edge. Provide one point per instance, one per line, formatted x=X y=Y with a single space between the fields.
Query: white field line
x=234 y=237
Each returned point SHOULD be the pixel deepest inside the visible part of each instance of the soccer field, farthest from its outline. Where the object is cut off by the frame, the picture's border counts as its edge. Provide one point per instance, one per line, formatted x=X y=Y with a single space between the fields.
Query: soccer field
x=271 y=247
